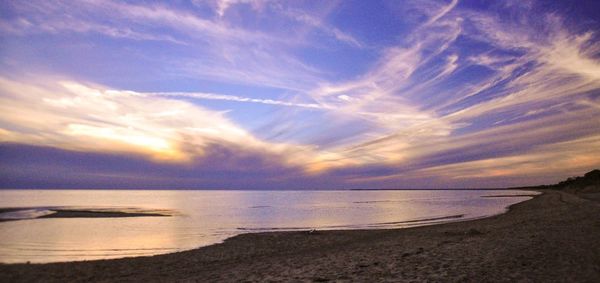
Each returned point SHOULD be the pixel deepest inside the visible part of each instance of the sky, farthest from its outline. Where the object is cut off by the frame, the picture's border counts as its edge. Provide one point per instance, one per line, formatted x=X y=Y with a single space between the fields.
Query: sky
x=262 y=94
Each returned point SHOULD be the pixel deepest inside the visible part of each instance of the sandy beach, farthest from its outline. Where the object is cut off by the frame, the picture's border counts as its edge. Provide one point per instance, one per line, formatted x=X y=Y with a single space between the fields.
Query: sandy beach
x=551 y=238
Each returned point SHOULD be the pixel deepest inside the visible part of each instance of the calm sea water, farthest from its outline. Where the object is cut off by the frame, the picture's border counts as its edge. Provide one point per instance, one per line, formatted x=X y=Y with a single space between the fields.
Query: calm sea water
x=207 y=217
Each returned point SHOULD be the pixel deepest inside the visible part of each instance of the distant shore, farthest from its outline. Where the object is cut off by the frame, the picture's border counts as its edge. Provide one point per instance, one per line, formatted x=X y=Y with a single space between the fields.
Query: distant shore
x=553 y=237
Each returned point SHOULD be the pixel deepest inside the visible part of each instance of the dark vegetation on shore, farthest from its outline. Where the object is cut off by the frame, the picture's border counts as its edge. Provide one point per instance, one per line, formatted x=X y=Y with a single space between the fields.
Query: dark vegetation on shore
x=588 y=183
x=586 y=186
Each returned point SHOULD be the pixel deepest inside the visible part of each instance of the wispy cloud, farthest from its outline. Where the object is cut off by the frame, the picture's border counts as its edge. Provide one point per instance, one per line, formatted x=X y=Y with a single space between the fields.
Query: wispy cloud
x=530 y=168
x=442 y=12
x=214 y=49
x=214 y=96
x=544 y=72
x=319 y=24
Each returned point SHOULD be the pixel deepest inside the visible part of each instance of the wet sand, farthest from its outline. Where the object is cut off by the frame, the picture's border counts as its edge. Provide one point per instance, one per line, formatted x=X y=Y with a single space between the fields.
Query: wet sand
x=554 y=237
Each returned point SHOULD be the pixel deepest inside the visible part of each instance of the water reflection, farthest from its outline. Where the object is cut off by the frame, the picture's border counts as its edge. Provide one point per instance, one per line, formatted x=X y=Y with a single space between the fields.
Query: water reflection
x=208 y=217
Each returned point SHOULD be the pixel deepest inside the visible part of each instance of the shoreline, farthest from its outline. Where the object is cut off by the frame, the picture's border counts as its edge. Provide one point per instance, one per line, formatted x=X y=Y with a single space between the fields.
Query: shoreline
x=549 y=237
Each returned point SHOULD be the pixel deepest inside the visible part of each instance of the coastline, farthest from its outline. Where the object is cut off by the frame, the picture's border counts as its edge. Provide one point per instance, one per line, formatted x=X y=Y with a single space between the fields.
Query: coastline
x=551 y=237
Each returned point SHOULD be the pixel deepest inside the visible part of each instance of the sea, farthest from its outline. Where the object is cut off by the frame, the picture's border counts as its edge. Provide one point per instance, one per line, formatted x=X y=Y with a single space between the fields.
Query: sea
x=204 y=217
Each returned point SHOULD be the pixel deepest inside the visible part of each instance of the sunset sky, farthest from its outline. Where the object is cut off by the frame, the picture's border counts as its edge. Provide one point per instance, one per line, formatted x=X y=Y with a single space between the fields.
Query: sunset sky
x=243 y=94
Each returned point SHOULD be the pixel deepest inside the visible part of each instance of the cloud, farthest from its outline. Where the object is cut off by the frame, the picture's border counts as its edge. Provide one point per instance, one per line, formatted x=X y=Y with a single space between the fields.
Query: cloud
x=88 y=117
x=221 y=166
x=575 y=157
x=442 y=12
x=221 y=6
x=382 y=96
x=319 y=24
x=560 y=67
x=214 y=96
x=539 y=84
x=458 y=91
x=46 y=17
x=212 y=49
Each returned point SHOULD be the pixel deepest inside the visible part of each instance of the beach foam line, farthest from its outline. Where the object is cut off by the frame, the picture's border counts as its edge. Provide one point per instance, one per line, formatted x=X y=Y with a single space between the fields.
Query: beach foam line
x=509 y=196
x=412 y=222
x=425 y=219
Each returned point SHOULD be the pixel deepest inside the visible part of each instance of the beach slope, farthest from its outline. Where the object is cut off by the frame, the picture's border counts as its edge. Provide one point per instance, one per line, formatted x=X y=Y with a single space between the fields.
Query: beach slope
x=553 y=237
